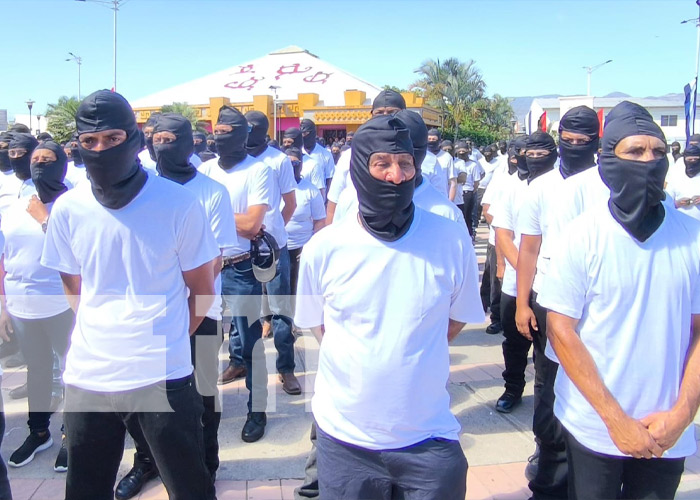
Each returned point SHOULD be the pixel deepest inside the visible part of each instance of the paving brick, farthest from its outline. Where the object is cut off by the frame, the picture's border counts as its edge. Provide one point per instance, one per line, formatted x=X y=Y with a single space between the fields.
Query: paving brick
x=264 y=490
x=23 y=489
x=50 y=489
x=288 y=487
x=231 y=490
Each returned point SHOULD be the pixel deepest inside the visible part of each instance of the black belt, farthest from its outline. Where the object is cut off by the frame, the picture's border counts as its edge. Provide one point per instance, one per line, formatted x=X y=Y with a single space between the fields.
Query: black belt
x=235 y=259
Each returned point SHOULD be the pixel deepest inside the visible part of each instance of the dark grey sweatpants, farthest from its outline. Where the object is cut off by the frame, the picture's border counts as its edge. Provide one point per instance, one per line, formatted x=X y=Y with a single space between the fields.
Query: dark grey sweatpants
x=435 y=469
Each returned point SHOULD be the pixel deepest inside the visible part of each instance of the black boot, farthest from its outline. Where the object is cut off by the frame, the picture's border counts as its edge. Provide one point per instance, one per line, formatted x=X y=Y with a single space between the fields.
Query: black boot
x=135 y=479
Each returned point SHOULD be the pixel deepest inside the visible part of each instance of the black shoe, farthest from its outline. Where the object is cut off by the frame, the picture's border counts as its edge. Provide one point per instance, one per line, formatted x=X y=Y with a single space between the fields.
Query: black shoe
x=134 y=481
x=8 y=349
x=494 y=328
x=31 y=446
x=61 y=464
x=15 y=361
x=507 y=402
x=20 y=392
x=532 y=465
x=254 y=427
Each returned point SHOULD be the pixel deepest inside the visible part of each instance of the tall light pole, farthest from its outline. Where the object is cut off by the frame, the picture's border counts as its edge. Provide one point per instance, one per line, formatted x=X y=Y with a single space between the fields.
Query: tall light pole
x=78 y=60
x=591 y=69
x=696 y=20
x=113 y=5
x=30 y=105
x=38 y=124
x=274 y=113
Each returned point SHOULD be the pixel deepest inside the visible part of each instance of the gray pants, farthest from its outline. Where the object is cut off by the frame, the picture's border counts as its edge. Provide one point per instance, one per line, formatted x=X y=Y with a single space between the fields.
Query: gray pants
x=434 y=469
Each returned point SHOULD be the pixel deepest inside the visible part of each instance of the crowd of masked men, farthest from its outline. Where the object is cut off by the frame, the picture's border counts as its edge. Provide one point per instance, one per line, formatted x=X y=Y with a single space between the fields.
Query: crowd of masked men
x=126 y=251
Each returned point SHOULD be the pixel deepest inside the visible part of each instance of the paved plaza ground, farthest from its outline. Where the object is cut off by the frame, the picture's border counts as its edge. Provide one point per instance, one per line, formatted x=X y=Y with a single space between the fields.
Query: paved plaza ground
x=496 y=445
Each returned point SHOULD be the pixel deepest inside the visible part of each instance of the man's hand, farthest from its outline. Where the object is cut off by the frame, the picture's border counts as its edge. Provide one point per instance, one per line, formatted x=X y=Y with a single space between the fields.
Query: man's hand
x=37 y=209
x=5 y=326
x=524 y=319
x=632 y=438
x=665 y=427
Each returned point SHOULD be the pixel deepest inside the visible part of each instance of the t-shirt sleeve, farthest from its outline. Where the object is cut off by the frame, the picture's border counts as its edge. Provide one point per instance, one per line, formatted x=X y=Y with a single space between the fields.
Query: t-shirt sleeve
x=465 y=305
x=565 y=286
x=58 y=253
x=329 y=167
x=451 y=169
x=318 y=209
x=261 y=187
x=338 y=183
x=196 y=244
x=529 y=214
x=316 y=176
x=309 y=299
x=286 y=177
x=502 y=212
x=222 y=221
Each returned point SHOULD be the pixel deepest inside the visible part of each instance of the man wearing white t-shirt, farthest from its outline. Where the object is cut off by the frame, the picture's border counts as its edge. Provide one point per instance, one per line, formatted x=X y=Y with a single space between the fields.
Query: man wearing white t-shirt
x=318 y=153
x=9 y=183
x=488 y=166
x=341 y=180
x=75 y=172
x=250 y=184
x=438 y=166
x=128 y=364
x=388 y=431
x=468 y=176
x=628 y=389
x=684 y=186
x=147 y=157
x=578 y=143
x=312 y=170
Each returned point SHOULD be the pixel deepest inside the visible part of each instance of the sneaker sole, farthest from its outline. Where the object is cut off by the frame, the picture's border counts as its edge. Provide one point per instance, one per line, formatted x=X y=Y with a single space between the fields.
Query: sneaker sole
x=48 y=444
x=62 y=468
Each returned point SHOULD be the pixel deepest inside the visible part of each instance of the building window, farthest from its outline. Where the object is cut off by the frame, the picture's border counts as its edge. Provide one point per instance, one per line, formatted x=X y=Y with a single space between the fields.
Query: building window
x=669 y=120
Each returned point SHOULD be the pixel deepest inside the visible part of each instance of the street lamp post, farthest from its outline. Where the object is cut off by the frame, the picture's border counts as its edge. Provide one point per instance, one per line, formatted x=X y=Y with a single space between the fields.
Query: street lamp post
x=112 y=5
x=591 y=69
x=696 y=20
x=30 y=105
x=78 y=60
x=38 y=124
x=274 y=113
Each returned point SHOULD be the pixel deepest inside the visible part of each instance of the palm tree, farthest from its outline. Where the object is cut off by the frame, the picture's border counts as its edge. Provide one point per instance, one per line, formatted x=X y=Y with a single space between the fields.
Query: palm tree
x=61 y=118
x=187 y=111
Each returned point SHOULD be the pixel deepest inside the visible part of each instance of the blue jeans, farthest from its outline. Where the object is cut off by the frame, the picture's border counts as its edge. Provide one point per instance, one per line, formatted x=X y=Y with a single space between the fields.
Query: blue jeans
x=278 y=294
x=243 y=296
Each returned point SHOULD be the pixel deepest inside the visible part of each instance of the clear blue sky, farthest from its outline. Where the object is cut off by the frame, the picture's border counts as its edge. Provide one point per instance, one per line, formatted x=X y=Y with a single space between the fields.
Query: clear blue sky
x=522 y=47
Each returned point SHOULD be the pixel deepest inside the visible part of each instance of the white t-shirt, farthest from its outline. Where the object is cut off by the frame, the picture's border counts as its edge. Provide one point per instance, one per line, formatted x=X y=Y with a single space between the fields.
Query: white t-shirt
x=195 y=160
x=634 y=303
x=249 y=183
x=384 y=360
x=132 y=323
x=429 y=199
x=217 y=206
x=341 y=177
x=324 y=158
x=283 y=175
x=489 y=168
x=33 y=291
x=76 y=174
x=681 y=186
x=347 y=203
x=309 y=208
x=146 y=162
x=313 y=171
x=540 y=201
x=492 y=196
x=473 y=175
x=505 y=216
x=10 y=189
x=433 y=170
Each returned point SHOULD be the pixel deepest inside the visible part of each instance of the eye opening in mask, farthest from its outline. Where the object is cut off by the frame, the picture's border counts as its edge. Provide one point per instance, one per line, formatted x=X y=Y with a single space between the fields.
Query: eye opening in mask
x=43 y=156
x=16 y=153
x=537 y=153
x=164 y=137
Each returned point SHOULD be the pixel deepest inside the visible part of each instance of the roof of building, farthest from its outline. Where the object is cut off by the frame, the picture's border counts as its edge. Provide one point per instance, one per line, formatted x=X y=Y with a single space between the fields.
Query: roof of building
x=291 y=70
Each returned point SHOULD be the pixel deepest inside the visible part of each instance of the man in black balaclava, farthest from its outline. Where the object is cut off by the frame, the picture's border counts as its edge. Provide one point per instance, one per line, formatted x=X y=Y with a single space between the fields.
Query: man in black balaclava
x=467 y=182
x=148 y=156
x=173 y=144
x=434 y=137
x=200 y=143
x=20 y=153
x=447 y=146
x=348 y=138
x=390 y=235
x=257 y=137
x=292 y=137
x=502 y=147
x=335 y=151
x=694 y=139
x=76 y=173
x=43 y=137
x=318 y=153
x=231 y=134
x=388 y=102
x=48 y=176
x=621 y=272
x=75 y=152
x=211 y=143
x=578 y=140
x=675 y=151
x=440 y=167
x=312 y=170
x=684 y=186
x=142 y=236
x=540 y=155
x=5 y=165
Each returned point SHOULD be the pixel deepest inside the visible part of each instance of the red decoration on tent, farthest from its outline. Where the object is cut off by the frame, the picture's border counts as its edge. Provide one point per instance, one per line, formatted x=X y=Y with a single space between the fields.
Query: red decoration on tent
x=317 y=79
x=245 y=69
x=295 y=69
x=542 y=122
x=246 y=84
x=601 y=121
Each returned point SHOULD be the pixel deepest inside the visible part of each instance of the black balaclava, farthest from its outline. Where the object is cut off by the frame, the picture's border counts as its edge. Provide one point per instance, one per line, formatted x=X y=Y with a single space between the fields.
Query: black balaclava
x=636 y=187
x=694 y=139
x=434 y=146
x=232 y=145
x=692 y=168
x=211 y=143
x=336 y=156
x=75 y=151
x=539 y=166
x=389 y=99
x=385 y=209
x=503 y=147
x=5 y=165
x=419 y=137
x=488 y=154
x=44 y=136
x=292 y=151
x=576 y=158
x=151 y=122
x=348 y=138
x=115 y=175
x=676 y=150
x=257 y=137
x=309 y=141
x=21 y=165
x=294 y=134
x=48 y=176
x=447 y=146
x=516 y=158
x=202 y=146
x=173 y=159
x=459 y=145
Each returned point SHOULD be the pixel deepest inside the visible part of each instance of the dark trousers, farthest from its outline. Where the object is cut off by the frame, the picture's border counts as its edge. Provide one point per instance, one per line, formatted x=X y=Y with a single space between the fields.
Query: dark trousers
x=595 y=476
x=469 y=198
x=550 y=483
x=294 y=256
x=277 y=307
x=491 y=286
x=5 y=491
x=478 y=209
x=204 y=344
x=515 y=348
x=39 y=338
x=435 y=469
x=169 y=415
x=309 y=488
x=243 y=294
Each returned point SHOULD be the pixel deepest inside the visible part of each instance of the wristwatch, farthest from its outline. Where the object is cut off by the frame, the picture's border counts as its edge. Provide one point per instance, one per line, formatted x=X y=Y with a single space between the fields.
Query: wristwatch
x=45 y=225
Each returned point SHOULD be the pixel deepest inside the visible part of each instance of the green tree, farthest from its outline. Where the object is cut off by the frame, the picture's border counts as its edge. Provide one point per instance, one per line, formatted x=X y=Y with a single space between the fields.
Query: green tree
x=394 y=88
x=61 y=118
x=187 y=111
